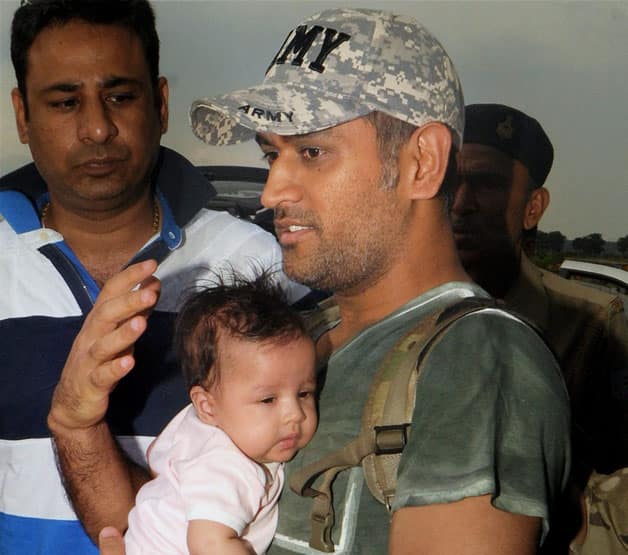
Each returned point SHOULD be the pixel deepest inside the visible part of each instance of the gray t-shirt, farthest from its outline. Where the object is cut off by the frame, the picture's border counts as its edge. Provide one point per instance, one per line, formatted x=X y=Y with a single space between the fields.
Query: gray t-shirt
x=491 y=417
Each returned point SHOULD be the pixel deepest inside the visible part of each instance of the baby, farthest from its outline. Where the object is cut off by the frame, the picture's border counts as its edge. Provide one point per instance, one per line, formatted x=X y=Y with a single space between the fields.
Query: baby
x=249 y=365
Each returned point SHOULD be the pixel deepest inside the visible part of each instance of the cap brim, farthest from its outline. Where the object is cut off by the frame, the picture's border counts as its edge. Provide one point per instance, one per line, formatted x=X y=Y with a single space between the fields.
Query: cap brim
x=286 y=109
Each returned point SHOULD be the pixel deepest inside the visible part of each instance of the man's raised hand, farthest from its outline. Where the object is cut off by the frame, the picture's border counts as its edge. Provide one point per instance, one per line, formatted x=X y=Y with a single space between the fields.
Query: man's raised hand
x=102 y=352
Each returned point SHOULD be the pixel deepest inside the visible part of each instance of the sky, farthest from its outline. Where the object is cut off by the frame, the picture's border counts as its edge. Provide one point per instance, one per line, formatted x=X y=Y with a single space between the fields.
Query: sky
x=564 y=63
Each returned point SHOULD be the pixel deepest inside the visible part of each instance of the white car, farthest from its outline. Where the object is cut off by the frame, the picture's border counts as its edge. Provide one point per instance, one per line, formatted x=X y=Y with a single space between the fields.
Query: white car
x=602 y=276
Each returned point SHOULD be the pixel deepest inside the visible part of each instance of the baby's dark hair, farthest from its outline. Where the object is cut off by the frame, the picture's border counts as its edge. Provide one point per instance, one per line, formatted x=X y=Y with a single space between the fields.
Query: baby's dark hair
x=254 y=309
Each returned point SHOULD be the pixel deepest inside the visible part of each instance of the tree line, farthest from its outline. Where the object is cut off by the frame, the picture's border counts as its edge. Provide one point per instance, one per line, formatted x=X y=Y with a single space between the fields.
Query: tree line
x=592 y=244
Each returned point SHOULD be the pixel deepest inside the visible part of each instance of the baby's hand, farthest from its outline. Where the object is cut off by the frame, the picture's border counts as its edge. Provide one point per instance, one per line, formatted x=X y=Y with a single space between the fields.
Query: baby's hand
x=110 y=542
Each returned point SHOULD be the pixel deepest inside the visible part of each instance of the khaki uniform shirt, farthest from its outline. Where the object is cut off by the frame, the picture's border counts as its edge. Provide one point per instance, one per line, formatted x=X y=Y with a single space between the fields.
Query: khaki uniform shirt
x=588 y=332
x=606 y=506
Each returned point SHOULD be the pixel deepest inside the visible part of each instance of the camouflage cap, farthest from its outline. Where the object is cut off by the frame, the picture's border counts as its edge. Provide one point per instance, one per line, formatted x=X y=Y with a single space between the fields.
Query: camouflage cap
x=334 y=67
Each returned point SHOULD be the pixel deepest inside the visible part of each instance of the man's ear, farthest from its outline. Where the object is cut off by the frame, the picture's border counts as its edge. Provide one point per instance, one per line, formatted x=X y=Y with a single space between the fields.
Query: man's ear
x=535 y=207
x=163 y=92
x=204 y=404
x=20 y=115
x=423 y=160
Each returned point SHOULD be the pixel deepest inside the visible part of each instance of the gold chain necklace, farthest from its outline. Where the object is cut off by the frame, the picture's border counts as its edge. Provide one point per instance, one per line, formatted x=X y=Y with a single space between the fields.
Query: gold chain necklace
x=156 y=214
x=44 y=214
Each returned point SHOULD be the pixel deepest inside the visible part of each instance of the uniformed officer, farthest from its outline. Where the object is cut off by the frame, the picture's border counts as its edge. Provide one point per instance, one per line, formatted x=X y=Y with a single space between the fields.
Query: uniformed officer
x=500 y=199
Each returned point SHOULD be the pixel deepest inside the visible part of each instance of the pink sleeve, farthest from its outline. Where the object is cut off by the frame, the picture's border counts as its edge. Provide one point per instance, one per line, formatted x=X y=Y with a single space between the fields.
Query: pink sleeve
x=222 y=486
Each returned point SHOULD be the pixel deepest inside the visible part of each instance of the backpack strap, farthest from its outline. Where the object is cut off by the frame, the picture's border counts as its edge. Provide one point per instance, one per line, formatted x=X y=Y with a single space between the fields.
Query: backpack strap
x=386 y=419
x=392 y=396
x=321 y=318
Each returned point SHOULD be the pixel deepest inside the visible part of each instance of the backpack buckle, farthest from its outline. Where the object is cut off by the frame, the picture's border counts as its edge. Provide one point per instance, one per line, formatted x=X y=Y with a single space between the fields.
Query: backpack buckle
x=391 y=439
x=320 y=535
